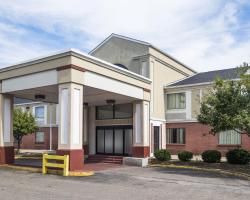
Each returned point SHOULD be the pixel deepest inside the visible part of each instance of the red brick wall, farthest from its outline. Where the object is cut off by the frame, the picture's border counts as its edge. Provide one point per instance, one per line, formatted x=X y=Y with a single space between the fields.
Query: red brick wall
x=28 y=141
x=198 y=139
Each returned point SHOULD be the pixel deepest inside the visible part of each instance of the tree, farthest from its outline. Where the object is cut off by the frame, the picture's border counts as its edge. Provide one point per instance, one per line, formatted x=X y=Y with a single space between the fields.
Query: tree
x=227 y=105
x=23 y=124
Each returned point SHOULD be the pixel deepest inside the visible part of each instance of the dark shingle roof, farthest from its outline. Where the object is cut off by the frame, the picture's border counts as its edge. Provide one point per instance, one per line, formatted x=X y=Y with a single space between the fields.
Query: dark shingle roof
x=205 y=77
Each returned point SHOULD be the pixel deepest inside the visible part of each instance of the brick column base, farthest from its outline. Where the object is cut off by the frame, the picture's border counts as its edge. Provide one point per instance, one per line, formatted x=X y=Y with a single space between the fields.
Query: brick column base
x=141 y=151
x=76 y=158
x=7 y=155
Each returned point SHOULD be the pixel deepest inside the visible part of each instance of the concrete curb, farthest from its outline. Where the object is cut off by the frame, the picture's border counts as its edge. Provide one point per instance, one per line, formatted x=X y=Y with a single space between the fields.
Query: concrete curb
x=50 y=171
x=28 y=158
x=237 y=174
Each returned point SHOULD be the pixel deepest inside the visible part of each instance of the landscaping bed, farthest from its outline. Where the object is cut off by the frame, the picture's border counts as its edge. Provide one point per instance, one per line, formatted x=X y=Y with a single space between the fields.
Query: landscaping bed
x=222 y=166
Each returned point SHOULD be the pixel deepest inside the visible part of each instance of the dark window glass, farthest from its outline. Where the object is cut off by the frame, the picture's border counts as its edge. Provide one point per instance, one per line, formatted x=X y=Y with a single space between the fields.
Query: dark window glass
x=119 y=111
x=123 y=111
x=175 y=136
x=104 y=112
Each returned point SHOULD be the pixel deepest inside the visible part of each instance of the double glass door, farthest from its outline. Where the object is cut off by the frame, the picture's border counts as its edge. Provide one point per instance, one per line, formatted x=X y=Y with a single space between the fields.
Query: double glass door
x=115 y=140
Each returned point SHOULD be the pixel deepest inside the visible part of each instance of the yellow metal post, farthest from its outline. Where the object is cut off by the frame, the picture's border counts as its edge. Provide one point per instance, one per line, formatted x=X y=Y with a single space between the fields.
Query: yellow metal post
x=44 y=168
x=66 y=165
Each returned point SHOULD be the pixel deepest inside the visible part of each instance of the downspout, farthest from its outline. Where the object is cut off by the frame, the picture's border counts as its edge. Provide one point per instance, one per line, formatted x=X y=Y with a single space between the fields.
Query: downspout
x=50 y=127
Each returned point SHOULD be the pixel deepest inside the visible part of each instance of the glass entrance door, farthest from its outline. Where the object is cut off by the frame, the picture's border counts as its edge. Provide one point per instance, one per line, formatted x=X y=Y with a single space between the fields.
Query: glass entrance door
x=116 y=140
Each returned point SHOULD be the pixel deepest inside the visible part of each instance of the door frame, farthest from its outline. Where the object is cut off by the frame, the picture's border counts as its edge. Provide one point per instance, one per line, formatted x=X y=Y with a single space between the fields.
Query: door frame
x=123 y=127
x=159 y=142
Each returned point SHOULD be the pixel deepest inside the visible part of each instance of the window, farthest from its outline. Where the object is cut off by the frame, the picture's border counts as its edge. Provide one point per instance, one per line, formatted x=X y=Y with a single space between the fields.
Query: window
x=176 y=101
x=229 y=137
x=143 y=69
x=39 y=137
x=120 y=111
x=175 y=136
x=39 y=113
x=123 y=111
x=104 y=112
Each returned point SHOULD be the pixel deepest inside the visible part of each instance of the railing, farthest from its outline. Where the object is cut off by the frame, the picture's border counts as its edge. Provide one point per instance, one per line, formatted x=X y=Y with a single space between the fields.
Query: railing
x=64 y=165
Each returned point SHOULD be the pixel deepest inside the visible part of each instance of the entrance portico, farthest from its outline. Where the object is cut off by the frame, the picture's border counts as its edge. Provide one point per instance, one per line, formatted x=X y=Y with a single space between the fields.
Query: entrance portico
x=78 y=83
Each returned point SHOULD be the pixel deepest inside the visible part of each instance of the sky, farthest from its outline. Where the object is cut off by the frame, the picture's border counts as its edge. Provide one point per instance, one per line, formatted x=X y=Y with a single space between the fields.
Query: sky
x=203 y=34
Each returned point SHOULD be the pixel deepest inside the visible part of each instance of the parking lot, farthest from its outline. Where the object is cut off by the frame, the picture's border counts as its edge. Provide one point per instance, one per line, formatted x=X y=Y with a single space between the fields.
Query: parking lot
x=123 y=183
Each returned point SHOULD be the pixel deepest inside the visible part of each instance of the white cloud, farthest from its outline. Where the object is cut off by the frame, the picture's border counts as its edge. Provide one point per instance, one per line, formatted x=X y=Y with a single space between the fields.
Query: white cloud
x=198 y=33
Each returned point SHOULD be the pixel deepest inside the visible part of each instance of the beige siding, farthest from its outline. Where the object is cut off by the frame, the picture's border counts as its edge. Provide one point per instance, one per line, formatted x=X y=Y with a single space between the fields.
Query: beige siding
x=162 y=75
x=197 y=94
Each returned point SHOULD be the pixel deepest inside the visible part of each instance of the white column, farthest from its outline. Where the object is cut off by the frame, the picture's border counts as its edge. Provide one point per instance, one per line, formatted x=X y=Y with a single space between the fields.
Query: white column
x=141 y=123
x=85 y=124
x=141 y=129
x=70 y=116
x=6 y=132
x=6 y=129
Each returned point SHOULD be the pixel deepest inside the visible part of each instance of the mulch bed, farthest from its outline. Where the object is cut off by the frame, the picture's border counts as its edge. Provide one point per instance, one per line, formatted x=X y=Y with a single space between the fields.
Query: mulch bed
x=222 y=165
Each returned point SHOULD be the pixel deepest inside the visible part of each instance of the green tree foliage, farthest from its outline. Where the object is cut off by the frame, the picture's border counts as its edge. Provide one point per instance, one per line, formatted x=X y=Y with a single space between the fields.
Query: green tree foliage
x=227 y=106
x=23 y=124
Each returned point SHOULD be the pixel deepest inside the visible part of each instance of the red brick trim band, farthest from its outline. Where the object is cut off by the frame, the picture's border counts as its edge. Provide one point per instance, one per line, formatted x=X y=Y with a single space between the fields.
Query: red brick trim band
x=75 y=158
x=141 y=151
x=71 y=67
x=6 y=155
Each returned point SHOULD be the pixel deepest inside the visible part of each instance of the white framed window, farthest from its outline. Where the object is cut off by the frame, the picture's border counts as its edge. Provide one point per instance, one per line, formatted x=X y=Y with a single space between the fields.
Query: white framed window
x=176 y=101
x=175 y=135
x=39 y=113
x=230 y=137
x=39 y=137
x=143 y=69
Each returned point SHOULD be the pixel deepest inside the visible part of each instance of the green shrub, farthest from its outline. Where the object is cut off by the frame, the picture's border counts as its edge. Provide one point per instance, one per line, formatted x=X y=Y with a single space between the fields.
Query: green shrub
x=238 y=156
x=211 y=156
x=185 y=156
x=162 y=155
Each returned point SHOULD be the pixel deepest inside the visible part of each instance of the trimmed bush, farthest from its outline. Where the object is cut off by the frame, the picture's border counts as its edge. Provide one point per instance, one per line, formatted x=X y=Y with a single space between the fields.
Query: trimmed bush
x=238 y=156
x=185 y=156
x=162 y=155
x=211 y=156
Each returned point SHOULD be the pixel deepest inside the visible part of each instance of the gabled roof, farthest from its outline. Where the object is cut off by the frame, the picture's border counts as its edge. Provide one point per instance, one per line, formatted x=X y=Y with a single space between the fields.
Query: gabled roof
x=208 y=77
x=139 y=42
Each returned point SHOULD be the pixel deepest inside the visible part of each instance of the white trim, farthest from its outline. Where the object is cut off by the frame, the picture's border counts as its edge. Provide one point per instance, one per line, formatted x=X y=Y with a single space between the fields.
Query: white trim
x=76 y=116
x=112 y=85
x=138 y=124
x=64 y=115
x=188 y=105
x=157 y=119
x=29 y=81
x=110 y=66
x=81 y=55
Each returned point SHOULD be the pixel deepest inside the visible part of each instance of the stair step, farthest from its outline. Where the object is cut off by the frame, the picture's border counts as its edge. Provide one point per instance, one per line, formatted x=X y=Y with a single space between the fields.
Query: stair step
x=105 y=159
